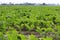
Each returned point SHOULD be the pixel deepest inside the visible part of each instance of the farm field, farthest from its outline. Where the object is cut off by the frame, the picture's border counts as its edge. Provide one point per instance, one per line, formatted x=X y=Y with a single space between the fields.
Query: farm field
x=29 y=22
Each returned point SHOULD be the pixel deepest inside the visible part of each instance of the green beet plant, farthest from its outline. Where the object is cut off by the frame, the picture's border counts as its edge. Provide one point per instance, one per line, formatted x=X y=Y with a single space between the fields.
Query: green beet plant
x=32 y=37
x=1 y=36
x=12 y=35
x=22 y=37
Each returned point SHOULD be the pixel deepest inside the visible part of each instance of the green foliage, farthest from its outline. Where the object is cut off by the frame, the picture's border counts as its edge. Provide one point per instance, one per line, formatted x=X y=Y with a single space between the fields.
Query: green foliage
x=42 y=19
x=1 y=36
x=12 y=35
x=32 y=37
x=49 y=30
x=38 y=30
x=22 y=37
x=47 y=38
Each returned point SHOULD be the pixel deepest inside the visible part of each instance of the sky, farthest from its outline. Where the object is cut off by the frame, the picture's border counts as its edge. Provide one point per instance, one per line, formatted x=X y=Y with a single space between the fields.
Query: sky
x=31 y=1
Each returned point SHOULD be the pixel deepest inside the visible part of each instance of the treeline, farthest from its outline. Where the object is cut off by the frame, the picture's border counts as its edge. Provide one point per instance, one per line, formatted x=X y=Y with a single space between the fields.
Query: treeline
x=25 y=4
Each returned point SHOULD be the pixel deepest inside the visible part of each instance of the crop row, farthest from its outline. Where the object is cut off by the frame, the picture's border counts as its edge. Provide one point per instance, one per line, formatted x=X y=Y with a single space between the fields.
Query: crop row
x=44 y=20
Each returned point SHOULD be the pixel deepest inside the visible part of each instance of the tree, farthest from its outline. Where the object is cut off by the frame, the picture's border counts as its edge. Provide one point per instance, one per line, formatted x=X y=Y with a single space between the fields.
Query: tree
x=44 y=4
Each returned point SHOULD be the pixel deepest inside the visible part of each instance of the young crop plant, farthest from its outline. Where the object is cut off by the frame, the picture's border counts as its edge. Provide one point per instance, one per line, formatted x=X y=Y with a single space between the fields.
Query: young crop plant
x=2 y=36
x=15 y=20
x=2 y=26
x=38 y=29
x=32 y=37
x=12 y=35
x=47 y=38
x=22 y=37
